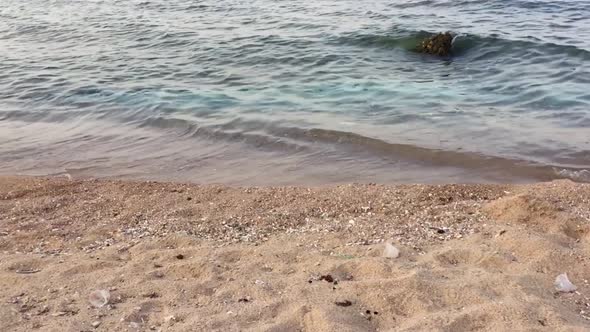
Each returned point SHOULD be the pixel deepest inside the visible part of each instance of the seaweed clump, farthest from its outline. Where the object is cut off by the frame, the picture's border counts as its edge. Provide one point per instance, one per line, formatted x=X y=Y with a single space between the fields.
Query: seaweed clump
x=439 y=44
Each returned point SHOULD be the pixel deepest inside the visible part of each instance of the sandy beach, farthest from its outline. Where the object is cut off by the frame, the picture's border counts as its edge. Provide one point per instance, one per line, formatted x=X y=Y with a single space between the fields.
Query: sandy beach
x=186 y=257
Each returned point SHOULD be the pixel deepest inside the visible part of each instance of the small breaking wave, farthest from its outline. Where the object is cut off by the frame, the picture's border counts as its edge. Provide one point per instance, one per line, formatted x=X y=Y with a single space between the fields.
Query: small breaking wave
x=579 y=175
x=464 y=43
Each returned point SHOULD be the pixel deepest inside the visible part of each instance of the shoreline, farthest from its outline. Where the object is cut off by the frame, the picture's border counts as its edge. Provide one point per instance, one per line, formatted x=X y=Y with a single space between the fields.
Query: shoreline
x=177 y=256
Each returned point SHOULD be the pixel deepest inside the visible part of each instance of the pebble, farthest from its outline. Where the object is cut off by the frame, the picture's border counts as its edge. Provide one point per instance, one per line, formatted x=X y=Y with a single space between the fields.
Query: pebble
x=390 y=251
x=96 y=324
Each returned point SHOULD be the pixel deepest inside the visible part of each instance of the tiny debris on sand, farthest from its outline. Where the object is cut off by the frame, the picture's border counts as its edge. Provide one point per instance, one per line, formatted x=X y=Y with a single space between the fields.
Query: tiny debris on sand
x=344 y=303
x=475 y=257
x=27 y=271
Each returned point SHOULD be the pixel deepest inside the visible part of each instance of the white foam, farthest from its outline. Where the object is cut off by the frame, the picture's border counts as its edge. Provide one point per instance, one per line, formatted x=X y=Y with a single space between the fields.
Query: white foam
x=578 y=175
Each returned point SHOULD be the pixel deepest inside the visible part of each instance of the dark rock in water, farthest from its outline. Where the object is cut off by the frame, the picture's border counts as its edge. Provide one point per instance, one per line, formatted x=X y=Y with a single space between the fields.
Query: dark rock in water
x=439 y=44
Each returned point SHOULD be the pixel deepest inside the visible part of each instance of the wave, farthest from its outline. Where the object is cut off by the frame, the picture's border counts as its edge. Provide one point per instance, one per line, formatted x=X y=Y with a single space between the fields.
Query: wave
x=271 y=136
x=317 y=143
x=463 y=44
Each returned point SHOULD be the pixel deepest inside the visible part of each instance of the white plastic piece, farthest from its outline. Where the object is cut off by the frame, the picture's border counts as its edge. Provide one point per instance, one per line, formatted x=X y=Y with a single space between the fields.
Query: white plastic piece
x=99 y=298
x=390 y=251
x=563 y=284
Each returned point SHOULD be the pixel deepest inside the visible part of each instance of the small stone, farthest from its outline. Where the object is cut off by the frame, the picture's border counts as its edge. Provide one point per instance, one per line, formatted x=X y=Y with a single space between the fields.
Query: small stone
x=43 y=310
x=500 y=233
x=99 y=298
x=390 y=251
x=96 y=324
x=157 y=274
x=328 y=278
x=151 y=295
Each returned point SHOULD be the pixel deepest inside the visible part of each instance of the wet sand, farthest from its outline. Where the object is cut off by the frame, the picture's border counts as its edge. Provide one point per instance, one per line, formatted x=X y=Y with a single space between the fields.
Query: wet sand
x=184 y=257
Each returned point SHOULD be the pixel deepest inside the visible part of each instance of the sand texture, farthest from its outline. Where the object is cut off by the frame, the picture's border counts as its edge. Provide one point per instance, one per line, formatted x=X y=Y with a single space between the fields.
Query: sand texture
x=182 y=257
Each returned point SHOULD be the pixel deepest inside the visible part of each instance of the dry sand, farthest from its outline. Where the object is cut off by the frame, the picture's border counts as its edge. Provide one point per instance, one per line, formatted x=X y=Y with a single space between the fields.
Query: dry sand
x=181 y=257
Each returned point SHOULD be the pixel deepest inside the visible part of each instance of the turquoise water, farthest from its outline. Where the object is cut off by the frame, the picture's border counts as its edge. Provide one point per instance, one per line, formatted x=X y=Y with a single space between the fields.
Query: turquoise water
x=290 y=92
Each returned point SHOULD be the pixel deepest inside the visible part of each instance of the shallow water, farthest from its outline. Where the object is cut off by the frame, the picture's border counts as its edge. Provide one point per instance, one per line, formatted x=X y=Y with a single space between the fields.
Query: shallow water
x=295 y=92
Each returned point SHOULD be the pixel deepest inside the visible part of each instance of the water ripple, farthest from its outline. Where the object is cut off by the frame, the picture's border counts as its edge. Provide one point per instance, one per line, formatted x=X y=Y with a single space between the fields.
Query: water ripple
x=516 y=87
